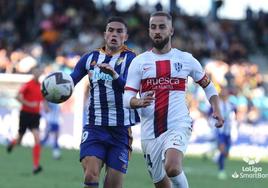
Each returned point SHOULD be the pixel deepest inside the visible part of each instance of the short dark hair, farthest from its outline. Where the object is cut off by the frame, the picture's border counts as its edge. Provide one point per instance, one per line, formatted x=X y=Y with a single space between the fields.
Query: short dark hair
x=162 y=13
x=116 y=19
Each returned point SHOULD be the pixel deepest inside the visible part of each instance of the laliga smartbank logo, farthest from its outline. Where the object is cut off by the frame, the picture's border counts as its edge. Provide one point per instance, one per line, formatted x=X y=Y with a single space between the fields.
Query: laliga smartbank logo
x=252 y=160
x=251 y=170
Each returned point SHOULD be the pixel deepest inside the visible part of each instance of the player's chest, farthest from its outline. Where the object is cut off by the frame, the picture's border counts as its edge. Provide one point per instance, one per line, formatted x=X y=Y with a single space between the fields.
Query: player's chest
x=95 y=74
x=164 y=68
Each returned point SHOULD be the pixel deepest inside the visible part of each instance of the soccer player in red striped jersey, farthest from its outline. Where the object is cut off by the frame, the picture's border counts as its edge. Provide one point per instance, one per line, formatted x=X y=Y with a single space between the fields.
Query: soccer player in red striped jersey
x=160 y=76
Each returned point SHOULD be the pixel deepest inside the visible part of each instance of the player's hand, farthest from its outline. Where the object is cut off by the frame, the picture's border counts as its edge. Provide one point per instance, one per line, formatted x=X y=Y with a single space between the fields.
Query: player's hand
x=147 y=99
x=219 y=119
x=143 y=102
x=106 y=68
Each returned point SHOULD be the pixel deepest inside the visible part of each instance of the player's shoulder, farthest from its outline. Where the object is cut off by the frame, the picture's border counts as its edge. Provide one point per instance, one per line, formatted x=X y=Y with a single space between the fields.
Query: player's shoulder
x=182 y=54
x=144 y=55
x=129 y=50
x=95 y=51
x=139 y=59
x=31 y=82
x=129 y=53
x=185 y=57
x=84 y=58
x=89 y=54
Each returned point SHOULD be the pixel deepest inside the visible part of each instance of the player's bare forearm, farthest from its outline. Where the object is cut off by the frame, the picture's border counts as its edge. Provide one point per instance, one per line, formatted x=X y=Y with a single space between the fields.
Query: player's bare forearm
x=214 y=101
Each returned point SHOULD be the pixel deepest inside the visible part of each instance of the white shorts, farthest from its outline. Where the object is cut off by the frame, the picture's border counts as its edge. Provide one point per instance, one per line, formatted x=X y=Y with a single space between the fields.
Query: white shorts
x=154 y=150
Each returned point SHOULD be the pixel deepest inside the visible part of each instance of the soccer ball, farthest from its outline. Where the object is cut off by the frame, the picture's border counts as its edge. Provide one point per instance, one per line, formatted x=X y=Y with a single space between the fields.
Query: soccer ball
x=57 y=87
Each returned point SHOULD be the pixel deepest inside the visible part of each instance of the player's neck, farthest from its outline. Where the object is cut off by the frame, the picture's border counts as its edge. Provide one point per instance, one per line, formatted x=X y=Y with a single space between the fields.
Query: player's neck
x=110 y=51
x=164 y=50
x=36 y=79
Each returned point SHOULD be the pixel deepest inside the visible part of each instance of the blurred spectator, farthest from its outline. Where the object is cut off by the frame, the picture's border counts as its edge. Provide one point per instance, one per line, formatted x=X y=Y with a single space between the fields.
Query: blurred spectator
x=158 y=6
x=63 y=22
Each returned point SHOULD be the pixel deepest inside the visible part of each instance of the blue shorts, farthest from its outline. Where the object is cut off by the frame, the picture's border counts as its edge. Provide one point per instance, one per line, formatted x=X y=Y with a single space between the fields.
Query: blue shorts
x=53 y=127
x=110 y=144
x=224 y=139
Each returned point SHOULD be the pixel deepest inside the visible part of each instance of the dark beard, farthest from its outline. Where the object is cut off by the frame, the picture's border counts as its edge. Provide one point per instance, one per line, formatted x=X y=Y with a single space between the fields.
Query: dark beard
x=160 y=45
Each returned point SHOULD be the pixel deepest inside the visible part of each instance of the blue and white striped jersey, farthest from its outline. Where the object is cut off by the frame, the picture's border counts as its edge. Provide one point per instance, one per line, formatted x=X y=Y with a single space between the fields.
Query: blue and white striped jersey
x=105 y=106
x=52 y=116
x=228 y=114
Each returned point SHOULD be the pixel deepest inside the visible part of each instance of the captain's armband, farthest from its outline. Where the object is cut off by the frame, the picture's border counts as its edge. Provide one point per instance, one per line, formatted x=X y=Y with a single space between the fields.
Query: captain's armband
x=204 y=82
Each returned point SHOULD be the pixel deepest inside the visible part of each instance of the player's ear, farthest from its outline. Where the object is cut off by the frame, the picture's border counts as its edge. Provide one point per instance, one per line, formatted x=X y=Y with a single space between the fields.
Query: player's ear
x=126 y=37
x=172 y=31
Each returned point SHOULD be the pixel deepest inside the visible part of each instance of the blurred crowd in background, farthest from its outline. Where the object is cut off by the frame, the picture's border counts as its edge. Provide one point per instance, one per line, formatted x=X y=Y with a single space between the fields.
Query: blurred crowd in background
x=55 y=33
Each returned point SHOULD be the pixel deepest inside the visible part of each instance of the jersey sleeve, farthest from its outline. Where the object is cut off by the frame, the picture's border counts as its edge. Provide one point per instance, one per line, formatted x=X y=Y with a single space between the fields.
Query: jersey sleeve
x=80 y=69
x=198 y=74
x=134 y=76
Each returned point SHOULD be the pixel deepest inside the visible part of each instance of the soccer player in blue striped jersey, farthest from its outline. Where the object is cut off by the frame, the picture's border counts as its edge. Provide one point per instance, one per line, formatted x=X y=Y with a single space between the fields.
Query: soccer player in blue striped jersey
x=106 y=137
x=52 y=117
x=228 y=111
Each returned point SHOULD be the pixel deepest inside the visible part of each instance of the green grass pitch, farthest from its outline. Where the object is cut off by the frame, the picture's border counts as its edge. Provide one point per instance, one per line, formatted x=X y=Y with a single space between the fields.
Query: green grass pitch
x=16 y=172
